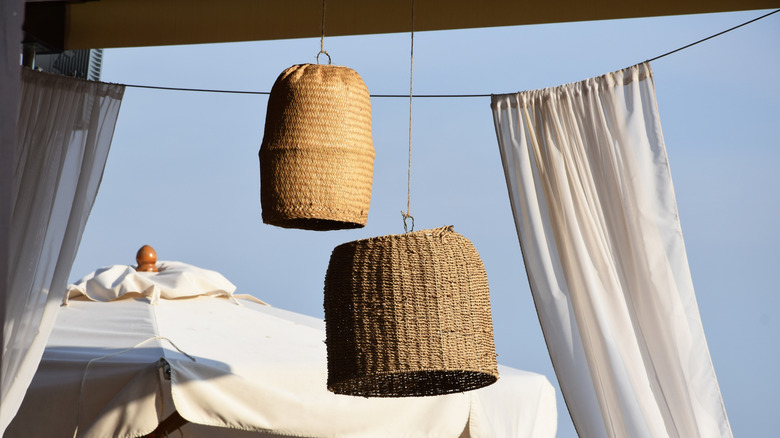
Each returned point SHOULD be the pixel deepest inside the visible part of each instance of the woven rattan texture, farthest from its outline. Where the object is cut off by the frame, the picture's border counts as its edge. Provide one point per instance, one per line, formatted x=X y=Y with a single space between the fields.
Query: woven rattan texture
x=317 y=155
x=408 y=315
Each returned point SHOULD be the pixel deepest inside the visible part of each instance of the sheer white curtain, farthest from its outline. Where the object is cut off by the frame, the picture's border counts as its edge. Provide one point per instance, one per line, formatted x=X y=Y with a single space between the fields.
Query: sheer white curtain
x=594 y=207
x=63 y=137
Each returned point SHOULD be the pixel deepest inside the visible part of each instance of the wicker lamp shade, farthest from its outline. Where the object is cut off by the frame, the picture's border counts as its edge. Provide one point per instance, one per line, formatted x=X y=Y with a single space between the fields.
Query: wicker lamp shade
x=317 y=155
x=408 y=315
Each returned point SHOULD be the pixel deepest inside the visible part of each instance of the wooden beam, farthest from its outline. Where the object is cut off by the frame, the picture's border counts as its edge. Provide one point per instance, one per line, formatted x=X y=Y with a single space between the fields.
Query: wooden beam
x=130 y=23
x=44 y=25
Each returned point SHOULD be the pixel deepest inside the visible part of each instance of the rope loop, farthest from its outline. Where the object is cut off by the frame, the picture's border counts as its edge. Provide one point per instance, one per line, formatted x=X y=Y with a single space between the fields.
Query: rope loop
x=326 y=54
x=406 y=216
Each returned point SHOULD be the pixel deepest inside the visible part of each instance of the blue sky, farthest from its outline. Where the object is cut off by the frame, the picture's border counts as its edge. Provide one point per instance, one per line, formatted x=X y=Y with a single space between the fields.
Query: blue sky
x=183 y=174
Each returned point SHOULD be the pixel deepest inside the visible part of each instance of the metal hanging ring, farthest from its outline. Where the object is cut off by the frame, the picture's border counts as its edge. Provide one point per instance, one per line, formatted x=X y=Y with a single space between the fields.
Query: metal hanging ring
x=326 y=54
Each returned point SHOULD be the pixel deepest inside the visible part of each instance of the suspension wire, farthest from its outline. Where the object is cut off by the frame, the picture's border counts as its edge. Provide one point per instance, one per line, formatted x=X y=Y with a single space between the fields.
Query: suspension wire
x=322 y=29
x=713 y=36
x=322 y=37
x=408 y=214
x=200 y=90
x=436 y=96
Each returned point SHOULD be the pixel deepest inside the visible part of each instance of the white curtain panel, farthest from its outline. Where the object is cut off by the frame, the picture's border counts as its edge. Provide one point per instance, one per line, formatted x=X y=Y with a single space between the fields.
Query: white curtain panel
x=63 y=137
x=595 y=212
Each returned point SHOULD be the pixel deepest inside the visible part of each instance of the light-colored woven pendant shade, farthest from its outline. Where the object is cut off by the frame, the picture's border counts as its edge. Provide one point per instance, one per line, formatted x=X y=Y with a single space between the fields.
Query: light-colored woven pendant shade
x=408 y=315
x=317 y=155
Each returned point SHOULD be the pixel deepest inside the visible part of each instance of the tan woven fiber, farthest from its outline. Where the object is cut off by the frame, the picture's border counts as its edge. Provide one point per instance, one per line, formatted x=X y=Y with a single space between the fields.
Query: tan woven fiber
x=408 y=315
x=317 y=155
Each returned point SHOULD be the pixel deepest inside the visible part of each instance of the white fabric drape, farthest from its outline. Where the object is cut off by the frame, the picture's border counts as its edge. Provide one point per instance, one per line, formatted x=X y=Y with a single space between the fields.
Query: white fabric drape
x=64 y=134
x=595 y=212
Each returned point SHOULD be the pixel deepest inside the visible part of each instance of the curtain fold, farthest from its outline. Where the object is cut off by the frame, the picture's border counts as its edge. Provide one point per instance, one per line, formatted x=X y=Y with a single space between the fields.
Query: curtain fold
x=63 y=137
x=592 y=196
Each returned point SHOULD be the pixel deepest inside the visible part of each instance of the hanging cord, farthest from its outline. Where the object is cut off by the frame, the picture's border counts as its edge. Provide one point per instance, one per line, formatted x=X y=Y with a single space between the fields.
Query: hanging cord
x=322 y=37
x=408 y=214
x=437 y=96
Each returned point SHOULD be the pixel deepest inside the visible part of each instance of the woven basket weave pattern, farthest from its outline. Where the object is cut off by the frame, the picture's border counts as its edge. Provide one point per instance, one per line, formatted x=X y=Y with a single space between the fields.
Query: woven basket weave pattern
x=317 y=155
x=408 y=315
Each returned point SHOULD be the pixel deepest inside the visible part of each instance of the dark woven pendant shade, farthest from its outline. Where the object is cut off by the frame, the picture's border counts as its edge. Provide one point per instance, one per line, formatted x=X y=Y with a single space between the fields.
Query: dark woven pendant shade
x=408 y=315
x=317 y=155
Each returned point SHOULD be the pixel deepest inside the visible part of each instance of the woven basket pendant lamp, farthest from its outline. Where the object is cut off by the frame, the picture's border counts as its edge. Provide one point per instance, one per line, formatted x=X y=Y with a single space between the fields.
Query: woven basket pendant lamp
x=408 y=315
x=317 y=155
